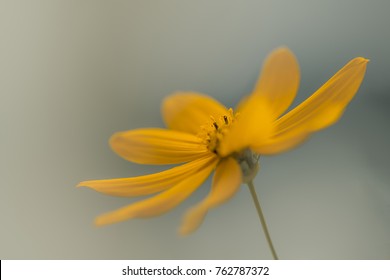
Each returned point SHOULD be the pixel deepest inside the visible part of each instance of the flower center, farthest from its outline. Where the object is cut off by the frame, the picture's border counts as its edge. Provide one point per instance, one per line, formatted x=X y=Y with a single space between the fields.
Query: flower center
x=213 y=132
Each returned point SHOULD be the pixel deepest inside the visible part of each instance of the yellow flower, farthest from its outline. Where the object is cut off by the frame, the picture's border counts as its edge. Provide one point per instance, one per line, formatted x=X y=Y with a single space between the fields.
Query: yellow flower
x=207 y=136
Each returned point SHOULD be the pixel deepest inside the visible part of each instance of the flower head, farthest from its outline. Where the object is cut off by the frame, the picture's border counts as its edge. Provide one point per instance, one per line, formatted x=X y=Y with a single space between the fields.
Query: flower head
x=205 y=136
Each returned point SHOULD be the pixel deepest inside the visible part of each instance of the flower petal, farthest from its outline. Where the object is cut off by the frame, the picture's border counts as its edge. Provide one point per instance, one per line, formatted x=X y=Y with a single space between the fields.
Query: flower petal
x=253 y=125
x=189 y=111
x=226 y=183
x=281 y=143
x=163 y=202
x=157 y=146
x=147 y=184
x=279 y=80
x=320 y=110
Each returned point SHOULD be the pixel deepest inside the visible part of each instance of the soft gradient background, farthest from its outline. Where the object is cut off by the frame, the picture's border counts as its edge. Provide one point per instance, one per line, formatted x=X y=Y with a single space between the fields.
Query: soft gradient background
x=74 y=72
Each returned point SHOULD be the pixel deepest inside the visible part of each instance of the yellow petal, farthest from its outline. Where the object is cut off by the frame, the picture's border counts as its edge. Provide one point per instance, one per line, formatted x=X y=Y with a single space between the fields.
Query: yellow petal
x=157 y=146
x=147 y=184
x=253 y=125
x=189 y=111
x=163 y=202
x=282 y=143
x=279 y=80
x=319 y=111
x=226 y=183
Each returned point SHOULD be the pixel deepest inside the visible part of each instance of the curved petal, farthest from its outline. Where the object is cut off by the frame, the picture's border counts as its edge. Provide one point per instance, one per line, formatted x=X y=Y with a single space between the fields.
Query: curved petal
x=279 y=80
x=226 y=183
x=147 y=184
x=163 y=202
x=188 y=111
x=253 y=125
x=320 y=110
x=280 y=144
x=157 y=146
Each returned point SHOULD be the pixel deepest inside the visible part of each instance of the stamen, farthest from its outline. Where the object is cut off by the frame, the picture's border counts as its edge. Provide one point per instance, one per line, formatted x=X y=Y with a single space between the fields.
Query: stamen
x=215 y=129
x=225 y=118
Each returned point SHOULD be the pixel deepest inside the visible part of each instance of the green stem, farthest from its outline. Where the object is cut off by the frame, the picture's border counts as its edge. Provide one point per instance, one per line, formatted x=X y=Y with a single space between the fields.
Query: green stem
x=262 y=219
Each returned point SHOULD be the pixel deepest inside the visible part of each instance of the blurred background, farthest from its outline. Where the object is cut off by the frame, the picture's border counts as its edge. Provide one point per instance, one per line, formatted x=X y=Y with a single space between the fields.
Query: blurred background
x=74 y=72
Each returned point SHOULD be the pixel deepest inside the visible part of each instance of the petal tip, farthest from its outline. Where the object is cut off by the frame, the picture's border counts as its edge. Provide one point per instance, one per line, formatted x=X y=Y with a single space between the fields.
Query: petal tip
x=114 y=138
x=361 y=60
x=282 y=49
x=81 y=184
x=100 y=221
x=183 y=232
x=85 y=184
x=283 y=52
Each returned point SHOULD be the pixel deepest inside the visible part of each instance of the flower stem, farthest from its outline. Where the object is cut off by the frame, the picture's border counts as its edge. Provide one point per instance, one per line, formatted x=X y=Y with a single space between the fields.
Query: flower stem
x=262 y=219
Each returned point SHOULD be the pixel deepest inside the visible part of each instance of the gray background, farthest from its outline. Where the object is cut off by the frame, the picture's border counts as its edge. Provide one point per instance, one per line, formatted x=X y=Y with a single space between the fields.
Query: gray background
x=74 y=72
